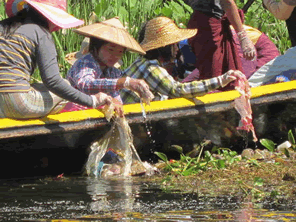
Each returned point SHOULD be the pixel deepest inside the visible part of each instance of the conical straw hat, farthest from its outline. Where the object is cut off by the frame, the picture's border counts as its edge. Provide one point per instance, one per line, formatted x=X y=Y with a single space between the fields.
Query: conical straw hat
x=113 y=31
x=162 y=31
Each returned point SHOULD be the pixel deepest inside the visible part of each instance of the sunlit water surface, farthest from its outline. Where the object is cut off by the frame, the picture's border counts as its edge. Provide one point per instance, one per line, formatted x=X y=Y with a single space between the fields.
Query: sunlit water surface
x=130 y=199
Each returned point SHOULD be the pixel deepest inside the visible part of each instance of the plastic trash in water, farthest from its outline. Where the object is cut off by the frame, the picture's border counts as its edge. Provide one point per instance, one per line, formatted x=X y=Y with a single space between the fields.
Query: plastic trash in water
x=110 y=157
x=281 y=78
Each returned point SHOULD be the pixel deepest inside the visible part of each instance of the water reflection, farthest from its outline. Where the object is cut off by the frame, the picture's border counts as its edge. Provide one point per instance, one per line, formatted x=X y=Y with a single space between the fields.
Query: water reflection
x=126 y=199
x=116 y=194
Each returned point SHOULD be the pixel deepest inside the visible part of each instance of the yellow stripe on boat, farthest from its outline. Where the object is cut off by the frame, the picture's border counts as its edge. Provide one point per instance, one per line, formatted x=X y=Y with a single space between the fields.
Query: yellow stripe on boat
x=77 y=116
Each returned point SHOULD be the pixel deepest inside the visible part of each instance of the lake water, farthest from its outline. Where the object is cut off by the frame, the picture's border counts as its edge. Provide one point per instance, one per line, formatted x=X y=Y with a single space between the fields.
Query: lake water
x=129 y=199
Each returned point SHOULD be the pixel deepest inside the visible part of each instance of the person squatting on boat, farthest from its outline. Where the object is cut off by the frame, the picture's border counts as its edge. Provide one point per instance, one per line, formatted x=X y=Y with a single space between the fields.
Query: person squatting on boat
x=96 y=72
x=284 y=10
x=159 y=38
x=213 y=46
x=266 y=50
x=26 y=42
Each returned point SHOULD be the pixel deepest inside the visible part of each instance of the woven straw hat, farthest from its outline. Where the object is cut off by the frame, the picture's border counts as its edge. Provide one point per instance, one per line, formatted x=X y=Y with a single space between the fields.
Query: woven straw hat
x=162 y=31
x=111 y=30
x=53 y=10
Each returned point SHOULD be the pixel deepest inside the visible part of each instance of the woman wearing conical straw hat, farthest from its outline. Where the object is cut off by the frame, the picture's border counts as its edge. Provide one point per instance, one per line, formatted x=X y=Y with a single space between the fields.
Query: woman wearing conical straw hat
x=94 y=71
x=160 y=37
x=26 y=42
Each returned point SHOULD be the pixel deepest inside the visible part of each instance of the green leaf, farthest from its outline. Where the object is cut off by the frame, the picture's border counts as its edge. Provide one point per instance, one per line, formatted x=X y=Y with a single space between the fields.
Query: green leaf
x=254 y=162
x=161 y=156
x=157 y=11
x=177 y=148
x=232 y=153
x=274 y=193
x=208 y=155
x=291 y=137
x=270 y=145
x=187 y=7
x=286 y=152
x=258 y=181
x=167 y=12
x=221 y=164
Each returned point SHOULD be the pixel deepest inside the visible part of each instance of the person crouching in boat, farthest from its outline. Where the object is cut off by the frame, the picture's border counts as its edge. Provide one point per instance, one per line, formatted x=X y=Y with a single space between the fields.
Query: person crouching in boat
x=266 y=50
x=26 y=42
x=95 y=71
x=160 y=39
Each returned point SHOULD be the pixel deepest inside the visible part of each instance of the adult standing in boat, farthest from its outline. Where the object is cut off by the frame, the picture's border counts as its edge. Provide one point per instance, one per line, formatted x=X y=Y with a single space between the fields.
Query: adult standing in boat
x=26 y=42
x=213 y=46
x=266 y=50
x=96 y=72
x=284 y=10
x=160 y=41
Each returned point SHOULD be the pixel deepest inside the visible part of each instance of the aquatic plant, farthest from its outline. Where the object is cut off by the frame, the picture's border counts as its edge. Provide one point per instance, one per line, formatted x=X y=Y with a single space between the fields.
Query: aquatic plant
x=271 y=146
x=188 y=165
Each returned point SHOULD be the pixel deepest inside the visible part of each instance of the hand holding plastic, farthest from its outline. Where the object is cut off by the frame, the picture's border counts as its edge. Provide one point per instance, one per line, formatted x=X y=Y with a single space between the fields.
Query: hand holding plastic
x=140 y=87
x=230 y=76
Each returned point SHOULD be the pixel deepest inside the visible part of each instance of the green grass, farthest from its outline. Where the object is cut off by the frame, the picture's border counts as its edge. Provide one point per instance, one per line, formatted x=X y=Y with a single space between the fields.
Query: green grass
x=134 y=13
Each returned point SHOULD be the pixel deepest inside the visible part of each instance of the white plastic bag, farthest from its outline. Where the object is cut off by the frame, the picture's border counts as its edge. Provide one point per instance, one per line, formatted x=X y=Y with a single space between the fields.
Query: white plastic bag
x=115 y=155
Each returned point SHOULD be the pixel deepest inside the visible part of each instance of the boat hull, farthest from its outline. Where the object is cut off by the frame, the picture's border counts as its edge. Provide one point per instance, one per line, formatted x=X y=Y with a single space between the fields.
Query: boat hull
x=59 y=143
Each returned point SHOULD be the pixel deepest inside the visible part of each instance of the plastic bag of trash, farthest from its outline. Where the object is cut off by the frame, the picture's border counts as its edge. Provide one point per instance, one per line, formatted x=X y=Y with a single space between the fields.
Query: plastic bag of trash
x=115 y=155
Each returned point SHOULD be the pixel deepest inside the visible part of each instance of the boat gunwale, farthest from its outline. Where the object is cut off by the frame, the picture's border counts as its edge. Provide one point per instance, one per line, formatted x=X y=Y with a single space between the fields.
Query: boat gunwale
x=92 y=119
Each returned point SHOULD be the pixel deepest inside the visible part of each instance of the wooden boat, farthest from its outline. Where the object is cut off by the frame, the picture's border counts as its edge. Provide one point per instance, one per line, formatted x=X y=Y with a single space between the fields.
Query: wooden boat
x=61 y=141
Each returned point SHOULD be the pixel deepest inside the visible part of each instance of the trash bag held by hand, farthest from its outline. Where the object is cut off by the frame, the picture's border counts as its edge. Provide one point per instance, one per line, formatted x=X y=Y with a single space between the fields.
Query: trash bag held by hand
x=115 y=155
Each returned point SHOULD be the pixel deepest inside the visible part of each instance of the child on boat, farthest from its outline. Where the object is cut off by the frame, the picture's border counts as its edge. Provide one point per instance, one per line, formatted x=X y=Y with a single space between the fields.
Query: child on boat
x=26 y=42
x=160 y=38
x=95 y=72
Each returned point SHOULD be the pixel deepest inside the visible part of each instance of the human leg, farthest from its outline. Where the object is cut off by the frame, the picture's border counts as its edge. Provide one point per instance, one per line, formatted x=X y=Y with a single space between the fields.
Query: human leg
x=37 y=102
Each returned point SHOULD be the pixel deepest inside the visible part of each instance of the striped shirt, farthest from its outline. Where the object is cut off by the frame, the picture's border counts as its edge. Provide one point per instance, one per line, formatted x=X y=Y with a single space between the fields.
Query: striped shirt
x=161 y=83
x=20 y=54
x=86 y=75
x=16 y=63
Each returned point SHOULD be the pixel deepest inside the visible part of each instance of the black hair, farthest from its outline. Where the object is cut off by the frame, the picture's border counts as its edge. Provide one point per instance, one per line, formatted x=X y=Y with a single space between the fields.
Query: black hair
x=164 y=52
x=95 y=44
x=25 y=16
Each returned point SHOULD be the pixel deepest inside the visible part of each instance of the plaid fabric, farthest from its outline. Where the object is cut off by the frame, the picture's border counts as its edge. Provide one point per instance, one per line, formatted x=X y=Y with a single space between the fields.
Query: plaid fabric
x=86 y=75
x=161 y=83
x=36 y=103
